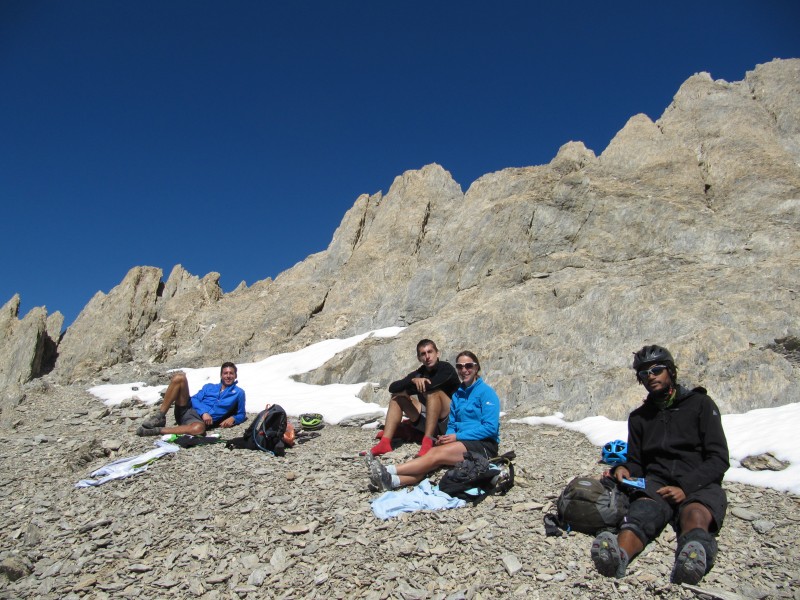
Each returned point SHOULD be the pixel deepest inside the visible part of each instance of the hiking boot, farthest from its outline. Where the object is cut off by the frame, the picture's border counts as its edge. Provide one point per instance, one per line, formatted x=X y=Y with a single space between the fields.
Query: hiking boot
x=146 y=431
x=690 y=564
x=157 y=419
x=379 y=477
x=609 y=559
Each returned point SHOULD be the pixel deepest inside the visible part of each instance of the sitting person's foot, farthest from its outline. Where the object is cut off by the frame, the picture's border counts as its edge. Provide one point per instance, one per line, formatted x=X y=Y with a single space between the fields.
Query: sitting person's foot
x=146 y=431
x=690 y=564
x=382 y=447
x=157 y=419
x=379 y=477
x=609 y=559
x=427 y=444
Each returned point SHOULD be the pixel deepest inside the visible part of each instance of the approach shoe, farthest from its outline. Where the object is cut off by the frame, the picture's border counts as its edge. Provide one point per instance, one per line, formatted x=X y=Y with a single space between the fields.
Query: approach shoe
x=690 y=564
x=157 y=419
x=146 y=431
x=608 y=558
x=379 y=477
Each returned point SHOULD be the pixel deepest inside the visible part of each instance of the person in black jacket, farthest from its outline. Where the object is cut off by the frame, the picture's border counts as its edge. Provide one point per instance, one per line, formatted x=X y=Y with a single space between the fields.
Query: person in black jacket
x=677 y=444
x=423 y=396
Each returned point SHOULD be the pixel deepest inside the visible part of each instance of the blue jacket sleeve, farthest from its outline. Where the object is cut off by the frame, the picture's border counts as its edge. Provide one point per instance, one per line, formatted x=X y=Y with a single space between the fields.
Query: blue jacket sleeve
x=241 y=414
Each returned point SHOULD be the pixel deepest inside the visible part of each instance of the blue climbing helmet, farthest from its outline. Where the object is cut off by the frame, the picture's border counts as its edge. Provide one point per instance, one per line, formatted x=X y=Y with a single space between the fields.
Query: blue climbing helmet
x=615 y=453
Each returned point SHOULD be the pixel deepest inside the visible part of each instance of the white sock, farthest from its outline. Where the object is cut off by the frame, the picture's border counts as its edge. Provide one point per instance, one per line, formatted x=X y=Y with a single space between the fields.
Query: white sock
x=395 y=481
x=392 y=469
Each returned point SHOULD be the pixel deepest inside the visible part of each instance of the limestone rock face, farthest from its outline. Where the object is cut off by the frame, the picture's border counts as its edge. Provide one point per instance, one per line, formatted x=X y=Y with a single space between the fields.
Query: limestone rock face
x=106 y=328
x=26 y=345
x=682 y=232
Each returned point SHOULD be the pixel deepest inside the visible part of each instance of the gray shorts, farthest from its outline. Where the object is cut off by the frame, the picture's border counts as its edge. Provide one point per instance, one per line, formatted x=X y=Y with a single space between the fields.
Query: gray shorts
x=186 y=415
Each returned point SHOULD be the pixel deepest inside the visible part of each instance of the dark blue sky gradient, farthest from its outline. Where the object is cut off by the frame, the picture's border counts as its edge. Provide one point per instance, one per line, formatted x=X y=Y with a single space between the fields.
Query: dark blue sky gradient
x=233 y=136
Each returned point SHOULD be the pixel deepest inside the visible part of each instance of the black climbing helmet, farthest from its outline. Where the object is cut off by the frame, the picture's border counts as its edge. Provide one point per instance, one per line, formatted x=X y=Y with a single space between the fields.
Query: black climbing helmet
x=650 y=355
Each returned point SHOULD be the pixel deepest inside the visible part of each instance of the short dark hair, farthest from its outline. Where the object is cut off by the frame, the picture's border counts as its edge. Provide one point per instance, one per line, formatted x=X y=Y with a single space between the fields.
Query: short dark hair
x=225 y=365
x=426 y=342
x=472 y=356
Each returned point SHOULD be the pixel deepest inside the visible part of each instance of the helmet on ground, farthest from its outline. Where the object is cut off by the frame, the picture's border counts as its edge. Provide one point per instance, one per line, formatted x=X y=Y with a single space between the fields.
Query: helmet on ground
x=615 y=453
x=311 y=421
x=652 y=354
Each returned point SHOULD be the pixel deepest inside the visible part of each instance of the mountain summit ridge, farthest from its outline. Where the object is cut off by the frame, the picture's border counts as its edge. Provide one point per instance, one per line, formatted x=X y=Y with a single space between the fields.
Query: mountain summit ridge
x=682 y=232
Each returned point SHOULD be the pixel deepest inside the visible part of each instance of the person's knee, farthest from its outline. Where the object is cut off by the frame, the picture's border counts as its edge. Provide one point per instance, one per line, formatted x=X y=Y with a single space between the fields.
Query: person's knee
x=178 y=378
x=695 y=515
x=645 y=519
x=197 y=429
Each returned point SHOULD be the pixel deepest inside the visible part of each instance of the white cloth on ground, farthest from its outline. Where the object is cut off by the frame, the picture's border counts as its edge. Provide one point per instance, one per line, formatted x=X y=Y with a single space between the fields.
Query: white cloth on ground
x=125 y=467
x=422 y=497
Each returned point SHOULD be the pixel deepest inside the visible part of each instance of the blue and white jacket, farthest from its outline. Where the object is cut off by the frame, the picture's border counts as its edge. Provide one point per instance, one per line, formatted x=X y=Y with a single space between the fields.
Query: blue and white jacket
x=229 y=403
x=475 y=413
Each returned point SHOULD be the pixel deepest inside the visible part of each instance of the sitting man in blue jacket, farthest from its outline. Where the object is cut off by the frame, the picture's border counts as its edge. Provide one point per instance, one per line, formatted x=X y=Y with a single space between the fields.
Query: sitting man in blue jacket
x=215 y=405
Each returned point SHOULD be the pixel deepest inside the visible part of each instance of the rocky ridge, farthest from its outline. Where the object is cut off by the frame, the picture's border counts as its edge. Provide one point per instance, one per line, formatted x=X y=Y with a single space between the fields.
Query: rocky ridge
x=683 y=231
x=211 y=523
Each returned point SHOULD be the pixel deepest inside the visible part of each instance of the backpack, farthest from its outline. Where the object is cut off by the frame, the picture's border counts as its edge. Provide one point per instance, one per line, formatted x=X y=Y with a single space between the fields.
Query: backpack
x=591 y=505
x=477 y=477
x=266 y=432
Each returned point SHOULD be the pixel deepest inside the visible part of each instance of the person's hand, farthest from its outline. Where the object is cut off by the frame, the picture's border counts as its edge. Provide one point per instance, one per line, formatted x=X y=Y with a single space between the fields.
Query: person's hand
x=621 y=473
x=421 y=383
x=672 y=494
x=446 y=439
x=207 y=419
x=227 y=423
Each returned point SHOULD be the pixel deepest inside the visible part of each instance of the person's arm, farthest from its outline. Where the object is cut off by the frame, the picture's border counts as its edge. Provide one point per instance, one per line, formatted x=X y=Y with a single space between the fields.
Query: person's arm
x=633 y=466
x=489 y=424
x=445 y=377
x=405 y=384
x=241 y=414
x=714 y=447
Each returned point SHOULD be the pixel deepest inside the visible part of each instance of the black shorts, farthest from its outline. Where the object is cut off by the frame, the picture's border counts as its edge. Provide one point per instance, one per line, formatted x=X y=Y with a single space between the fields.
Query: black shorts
x=711 y=496
x=487 y=448
x=441 y=426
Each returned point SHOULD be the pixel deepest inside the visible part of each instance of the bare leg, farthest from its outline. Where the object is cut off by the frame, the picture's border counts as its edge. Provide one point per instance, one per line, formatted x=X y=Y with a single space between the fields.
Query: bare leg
x=399 y=405
x=413 y=471
x=177 y=392
x=630 y=542
x=437 y=406
x=695 y=516
x=196 y=428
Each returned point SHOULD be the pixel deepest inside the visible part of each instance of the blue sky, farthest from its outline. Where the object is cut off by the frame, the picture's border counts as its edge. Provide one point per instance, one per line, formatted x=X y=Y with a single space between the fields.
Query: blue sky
x=233 y=136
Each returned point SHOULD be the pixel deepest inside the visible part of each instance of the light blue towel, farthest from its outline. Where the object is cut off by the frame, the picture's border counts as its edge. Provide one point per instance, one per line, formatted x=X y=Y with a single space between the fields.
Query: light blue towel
x=423 y=497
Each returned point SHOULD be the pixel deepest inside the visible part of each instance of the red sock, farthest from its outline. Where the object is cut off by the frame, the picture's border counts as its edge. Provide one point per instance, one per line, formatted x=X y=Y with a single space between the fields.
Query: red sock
x=379 y=435
x=427 y=444
x=382 y=447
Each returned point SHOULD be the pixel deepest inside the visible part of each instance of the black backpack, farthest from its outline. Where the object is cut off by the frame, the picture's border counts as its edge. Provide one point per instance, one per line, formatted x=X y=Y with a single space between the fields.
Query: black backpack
x=590 y=505
x=488 y=476
x=264 y=433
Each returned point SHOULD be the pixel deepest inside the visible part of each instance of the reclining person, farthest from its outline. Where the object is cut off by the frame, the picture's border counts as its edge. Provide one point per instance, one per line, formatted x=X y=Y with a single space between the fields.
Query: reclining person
x=215 y=405
x=474 y=426
x=676 y=442
x=423 y=396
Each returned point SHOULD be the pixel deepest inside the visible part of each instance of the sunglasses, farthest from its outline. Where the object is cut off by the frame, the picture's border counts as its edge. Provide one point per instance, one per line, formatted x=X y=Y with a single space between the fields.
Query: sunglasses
x=466 y=366
x=654 y=370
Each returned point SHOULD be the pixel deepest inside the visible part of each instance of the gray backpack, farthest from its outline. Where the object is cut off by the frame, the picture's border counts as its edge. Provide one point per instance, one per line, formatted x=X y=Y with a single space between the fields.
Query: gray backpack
x=591 y=505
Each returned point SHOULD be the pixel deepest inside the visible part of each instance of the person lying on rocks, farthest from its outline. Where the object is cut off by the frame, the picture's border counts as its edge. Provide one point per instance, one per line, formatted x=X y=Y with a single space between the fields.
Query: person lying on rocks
x=423 y=396
x=215 y=405
x=474 y=426
x=676 y=442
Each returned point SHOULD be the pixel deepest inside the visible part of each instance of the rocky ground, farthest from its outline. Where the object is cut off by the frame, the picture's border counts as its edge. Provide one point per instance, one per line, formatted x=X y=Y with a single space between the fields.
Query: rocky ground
x=212 y=523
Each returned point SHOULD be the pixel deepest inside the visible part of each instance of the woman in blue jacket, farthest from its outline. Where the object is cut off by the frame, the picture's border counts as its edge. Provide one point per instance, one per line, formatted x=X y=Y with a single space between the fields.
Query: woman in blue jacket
x=474 y=426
